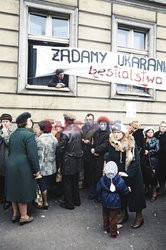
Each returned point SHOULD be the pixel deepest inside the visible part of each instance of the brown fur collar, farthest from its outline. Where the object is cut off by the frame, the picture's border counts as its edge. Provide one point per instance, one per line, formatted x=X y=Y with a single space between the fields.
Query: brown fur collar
x=127 y=144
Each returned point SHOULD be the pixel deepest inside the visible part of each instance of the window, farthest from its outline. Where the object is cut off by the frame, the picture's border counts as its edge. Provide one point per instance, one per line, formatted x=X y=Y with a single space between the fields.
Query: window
x=131 y=37
x=43 y=25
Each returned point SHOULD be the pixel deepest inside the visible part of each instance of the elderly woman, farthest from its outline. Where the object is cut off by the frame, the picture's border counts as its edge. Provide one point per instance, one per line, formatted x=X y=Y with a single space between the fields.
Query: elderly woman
x=100 y=142
x=21 y=169
x=123 y=151
x=46 y=145
x=151 y=161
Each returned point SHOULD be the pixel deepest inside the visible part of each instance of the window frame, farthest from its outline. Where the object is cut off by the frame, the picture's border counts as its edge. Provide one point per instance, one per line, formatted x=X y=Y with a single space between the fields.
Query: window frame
x=151 y=51
x=25 y=6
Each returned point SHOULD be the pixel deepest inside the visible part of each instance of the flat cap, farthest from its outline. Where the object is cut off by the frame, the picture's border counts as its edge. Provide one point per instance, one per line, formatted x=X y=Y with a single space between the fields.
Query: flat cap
x=69 y=116
x=23 y=117
x=6 y=117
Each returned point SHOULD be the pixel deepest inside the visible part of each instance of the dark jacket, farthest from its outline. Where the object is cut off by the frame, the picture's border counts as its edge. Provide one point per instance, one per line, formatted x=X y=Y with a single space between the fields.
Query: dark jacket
x=87 y=134
x=153 y=152
x=70 y=148
x=140 y=142
x=111 y=199
x=100 y=144
x=21 y=165
x=136 y=199
x=55 y=80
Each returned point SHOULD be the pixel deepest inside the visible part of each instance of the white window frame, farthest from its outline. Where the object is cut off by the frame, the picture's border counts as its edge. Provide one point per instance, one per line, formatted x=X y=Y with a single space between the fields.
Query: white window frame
x=23 y=87
x=151 y=52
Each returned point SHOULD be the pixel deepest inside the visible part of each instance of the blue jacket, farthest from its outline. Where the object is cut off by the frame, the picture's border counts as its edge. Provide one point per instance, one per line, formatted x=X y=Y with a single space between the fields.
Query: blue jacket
x=111 y=199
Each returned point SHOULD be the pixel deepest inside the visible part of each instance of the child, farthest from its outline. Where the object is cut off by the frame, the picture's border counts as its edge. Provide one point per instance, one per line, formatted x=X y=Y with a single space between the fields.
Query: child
x=109 y=187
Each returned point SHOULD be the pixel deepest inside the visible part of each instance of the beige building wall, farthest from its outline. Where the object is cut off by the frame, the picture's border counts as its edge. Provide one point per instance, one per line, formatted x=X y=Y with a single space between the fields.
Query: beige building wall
x=94 y=32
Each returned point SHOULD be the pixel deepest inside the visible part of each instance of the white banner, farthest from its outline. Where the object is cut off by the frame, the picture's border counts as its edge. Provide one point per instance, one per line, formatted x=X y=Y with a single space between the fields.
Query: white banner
x=102 y=66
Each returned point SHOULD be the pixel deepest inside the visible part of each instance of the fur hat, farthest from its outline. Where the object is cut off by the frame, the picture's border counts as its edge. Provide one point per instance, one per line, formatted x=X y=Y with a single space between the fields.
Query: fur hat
x=147 y=129
x=135 y=124
x=111 y=171
x=6 y=117
x=69 y=116
x=103 y=118
x=23 y=117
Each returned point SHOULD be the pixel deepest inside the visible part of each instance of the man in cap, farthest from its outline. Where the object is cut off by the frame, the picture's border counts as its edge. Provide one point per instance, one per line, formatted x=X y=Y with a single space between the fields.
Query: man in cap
x=70 y=148
x=5 y=132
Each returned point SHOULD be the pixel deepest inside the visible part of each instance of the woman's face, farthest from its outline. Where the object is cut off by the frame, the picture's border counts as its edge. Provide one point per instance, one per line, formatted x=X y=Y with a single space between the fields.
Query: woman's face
x=29 y=123
x=118 y=135
x=103 y=125
x=150 y=133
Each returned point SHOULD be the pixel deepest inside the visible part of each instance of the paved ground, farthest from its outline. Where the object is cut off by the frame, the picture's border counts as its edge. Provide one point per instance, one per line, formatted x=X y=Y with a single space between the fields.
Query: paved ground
x=81 y=228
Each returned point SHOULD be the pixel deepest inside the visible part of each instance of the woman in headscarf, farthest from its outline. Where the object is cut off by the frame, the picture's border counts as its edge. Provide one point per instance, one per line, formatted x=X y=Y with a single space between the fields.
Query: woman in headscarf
x=122 y=150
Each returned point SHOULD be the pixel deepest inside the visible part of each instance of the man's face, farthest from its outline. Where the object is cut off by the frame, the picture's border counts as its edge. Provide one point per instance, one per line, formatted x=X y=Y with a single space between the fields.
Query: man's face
x=6 y=124
x=61 y=75
x=89 y=120
x=163 y=128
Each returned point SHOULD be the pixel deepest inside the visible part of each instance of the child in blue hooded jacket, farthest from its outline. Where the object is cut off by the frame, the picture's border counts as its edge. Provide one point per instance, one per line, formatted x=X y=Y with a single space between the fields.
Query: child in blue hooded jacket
x=109 y=187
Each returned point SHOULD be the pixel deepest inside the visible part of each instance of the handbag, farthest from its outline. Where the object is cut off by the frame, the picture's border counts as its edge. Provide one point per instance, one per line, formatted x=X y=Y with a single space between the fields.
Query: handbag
x=38 y=200
x=149 y=168
x=58 y=176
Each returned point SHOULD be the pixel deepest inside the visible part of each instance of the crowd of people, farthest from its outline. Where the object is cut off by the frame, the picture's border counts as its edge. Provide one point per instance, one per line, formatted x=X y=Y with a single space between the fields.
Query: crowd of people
x=118 y=165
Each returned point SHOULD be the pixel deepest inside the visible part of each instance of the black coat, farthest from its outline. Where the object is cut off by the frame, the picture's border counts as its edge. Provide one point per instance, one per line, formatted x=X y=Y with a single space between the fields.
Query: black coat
x=55 y=80
x=70 y=148
x=136 y=199
x=162 y=155
x=140 y=142
x=100 y=144
x=87 y=134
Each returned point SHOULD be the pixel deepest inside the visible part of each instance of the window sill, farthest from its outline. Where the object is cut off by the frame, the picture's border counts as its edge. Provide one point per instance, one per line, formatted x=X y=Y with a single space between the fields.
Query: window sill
x=44 y=90
x=120 y=95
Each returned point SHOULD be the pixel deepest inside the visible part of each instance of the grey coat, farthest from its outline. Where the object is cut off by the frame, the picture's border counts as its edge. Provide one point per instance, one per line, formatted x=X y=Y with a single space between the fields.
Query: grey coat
x=46 y=146
x=4 y=149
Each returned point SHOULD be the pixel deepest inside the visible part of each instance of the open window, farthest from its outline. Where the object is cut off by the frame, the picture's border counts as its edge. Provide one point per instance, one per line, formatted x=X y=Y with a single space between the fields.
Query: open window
x=44 y=25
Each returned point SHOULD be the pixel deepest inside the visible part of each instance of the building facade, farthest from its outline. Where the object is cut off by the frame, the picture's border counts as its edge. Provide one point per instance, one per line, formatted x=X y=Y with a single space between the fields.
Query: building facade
x=130 y=27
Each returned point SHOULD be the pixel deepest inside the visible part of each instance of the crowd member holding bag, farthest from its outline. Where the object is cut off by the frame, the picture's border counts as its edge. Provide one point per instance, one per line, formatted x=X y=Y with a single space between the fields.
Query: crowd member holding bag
x=151 y=161
x=21 y=169
x=46 y=145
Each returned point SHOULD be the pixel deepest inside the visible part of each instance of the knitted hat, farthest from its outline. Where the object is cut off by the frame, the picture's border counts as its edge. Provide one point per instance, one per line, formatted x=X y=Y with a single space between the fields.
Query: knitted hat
x=111 y=171
x=23 y=117
x=6 y=117
x=120 y=127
